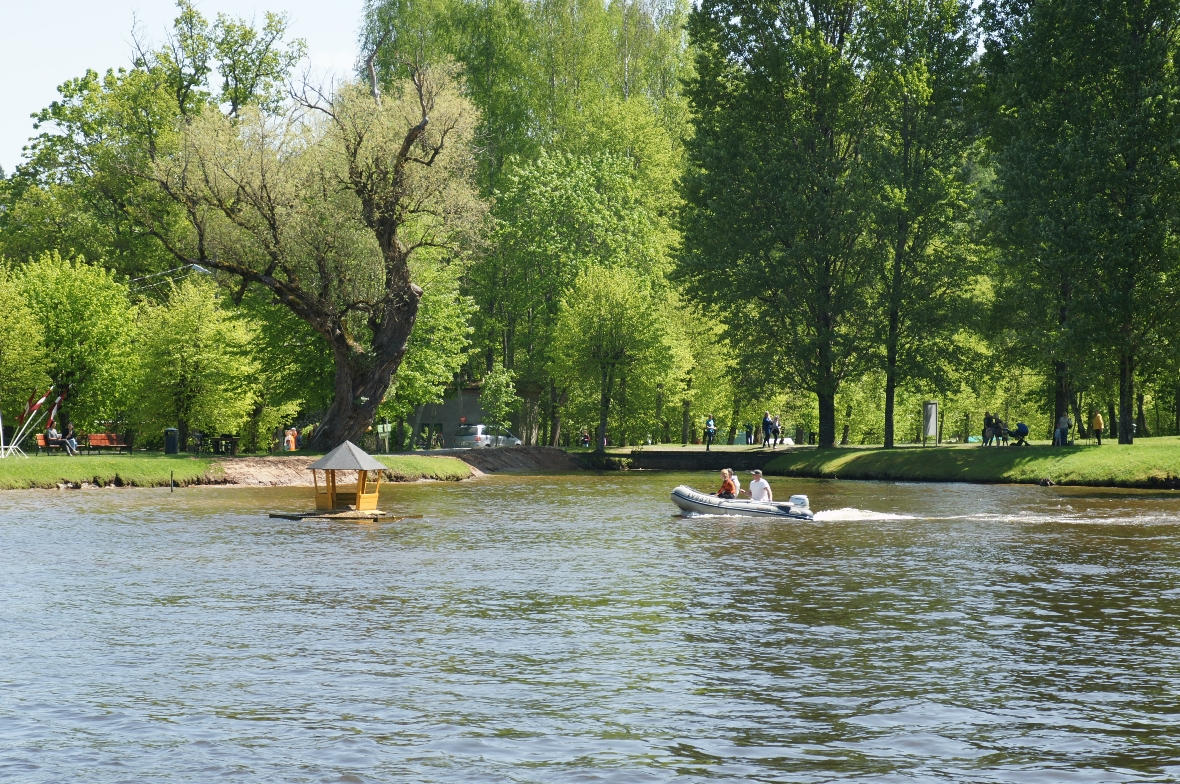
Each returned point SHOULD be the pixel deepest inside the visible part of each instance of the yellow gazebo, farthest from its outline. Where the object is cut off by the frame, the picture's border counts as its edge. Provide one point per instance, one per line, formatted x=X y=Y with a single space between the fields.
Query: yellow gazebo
x=332 y=494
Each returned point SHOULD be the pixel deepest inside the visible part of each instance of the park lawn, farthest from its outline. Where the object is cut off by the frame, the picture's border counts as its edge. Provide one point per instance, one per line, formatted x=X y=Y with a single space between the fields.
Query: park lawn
x=408 y=468
x=1149 y=462
x=154 y=469
x=145 y=469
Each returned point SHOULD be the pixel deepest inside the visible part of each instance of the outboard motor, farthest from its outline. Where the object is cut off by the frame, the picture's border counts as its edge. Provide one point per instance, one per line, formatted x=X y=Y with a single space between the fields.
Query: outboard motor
x=799 y=501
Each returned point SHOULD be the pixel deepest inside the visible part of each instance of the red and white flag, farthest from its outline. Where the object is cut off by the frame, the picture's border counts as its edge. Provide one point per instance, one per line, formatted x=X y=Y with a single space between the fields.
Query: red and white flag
x=36 y=406
x=28 y=407
x=56 y=406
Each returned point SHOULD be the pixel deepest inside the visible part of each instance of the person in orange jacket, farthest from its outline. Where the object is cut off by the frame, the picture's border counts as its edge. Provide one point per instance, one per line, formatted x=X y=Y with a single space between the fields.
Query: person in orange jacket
x=1097 y=425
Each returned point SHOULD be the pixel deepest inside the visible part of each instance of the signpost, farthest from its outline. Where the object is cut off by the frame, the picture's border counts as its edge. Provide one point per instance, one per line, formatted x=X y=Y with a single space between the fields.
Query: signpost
x=929 y=420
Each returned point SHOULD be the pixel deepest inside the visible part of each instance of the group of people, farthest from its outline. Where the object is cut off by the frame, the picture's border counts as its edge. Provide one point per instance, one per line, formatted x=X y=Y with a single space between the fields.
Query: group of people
x=995 y=430
x=771 y=431
x=731 y=487
x=68 y=442
x=1065 y=424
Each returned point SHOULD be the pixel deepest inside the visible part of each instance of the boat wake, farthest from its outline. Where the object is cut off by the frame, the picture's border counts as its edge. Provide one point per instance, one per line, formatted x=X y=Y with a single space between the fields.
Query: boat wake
x=848 y=515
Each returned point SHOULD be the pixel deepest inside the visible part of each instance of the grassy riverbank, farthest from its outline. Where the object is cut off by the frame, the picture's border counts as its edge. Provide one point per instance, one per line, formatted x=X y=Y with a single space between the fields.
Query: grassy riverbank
x=138 y=470
x=1150 y=462
x=153 y=469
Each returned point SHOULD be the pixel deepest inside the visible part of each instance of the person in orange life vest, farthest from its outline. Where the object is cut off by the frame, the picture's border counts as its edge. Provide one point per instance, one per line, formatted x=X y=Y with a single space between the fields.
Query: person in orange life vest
x=728 y=488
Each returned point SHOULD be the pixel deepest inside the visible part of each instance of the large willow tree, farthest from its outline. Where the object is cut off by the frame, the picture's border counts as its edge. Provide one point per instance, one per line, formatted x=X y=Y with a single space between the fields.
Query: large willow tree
x=329 y=201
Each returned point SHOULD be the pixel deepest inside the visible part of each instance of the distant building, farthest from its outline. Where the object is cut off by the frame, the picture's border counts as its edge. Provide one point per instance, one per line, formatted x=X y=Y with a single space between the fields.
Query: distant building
x=444 y=418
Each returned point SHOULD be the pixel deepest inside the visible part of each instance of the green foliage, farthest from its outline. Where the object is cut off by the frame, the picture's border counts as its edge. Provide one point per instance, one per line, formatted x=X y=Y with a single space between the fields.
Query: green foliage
x=87 y=325
x=196 y=371
x=777 y=185
x=614 y=345
x=435 y=351
x=498 y=396
x=1086 y=140
x=22 y=350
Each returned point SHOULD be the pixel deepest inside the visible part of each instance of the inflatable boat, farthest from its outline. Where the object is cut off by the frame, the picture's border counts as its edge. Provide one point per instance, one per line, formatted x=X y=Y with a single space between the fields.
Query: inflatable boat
x=702 y=503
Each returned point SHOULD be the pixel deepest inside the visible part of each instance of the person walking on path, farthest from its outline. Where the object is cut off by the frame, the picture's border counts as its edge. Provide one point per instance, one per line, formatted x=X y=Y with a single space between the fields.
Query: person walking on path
x=1097 y=425
x=767 y=427
x=988 y=423
x=749 y=434
x=775 y=430
x=1064 y=425
x=710 y=432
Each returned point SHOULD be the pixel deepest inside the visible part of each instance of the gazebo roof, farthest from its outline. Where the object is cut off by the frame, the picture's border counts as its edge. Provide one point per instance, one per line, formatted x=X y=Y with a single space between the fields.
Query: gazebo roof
x=347 y=457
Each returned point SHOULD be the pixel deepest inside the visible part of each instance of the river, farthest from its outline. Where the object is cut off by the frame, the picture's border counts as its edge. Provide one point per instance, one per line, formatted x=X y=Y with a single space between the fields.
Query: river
x=570 y=629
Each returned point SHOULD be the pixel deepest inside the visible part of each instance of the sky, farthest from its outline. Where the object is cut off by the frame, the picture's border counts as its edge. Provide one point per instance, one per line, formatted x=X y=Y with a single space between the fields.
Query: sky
x=45 y=42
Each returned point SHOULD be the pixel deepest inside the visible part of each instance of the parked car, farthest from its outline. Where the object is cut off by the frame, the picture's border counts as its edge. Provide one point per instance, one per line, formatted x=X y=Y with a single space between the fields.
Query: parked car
x=482 y=436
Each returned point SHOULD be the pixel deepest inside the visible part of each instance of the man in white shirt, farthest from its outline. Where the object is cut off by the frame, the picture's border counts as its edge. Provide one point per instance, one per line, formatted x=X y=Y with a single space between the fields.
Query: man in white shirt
x=759 y=488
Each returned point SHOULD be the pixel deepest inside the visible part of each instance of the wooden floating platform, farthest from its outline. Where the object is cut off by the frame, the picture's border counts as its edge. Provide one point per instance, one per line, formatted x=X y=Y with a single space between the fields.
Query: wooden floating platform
x=347 y=514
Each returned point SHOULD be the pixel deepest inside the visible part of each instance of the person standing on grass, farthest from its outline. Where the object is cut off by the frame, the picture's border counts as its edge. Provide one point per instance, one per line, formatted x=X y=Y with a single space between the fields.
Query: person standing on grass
x=775 y=429
x=1097 y=425
x=767 y=427
x=988 y=423
x=1064 y=424
x=749 y=434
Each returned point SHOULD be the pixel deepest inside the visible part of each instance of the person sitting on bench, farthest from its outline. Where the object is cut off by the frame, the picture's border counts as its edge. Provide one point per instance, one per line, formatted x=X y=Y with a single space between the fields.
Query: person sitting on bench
x=53 y=438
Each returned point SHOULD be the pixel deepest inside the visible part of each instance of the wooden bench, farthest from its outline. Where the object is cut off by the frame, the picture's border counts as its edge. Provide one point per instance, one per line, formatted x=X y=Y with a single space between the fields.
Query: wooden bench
x=106 y=441
x=43 y=443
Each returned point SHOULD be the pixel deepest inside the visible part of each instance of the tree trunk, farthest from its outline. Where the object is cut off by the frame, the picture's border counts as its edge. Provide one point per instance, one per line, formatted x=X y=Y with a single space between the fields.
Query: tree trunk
x=685 y=423
x=733 y=420
x=1177 y=411
x=1140 y=419
x=603 y=410
x=1060 y=392
x=1126 y=397
x=182 y=433
x=663 y=426
x=363 y=376
x=622 y=408
x=1075 y=402
x=1112 y=421
x=826 y=392
x=892 y=337
x=554 y=414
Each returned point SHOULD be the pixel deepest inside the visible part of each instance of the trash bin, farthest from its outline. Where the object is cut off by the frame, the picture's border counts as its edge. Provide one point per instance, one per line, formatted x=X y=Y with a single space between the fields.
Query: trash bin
x=171 y=441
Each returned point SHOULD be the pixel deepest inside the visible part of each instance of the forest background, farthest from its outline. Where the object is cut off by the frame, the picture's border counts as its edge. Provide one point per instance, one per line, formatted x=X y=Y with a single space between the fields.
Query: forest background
x=622 y=216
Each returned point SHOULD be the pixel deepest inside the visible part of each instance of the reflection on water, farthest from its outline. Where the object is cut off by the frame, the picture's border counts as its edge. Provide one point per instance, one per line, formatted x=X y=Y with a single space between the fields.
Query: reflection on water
x=559 y=628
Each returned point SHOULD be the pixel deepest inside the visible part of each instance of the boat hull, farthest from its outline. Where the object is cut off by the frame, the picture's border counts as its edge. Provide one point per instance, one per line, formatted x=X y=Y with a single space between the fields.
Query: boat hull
x=701 y=503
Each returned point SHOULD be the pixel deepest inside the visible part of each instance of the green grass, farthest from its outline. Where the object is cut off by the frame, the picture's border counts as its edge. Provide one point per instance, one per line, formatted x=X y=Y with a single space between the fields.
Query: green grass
x=407 y=468
x=1150 y=462
x=154 y=469
x=139 y=470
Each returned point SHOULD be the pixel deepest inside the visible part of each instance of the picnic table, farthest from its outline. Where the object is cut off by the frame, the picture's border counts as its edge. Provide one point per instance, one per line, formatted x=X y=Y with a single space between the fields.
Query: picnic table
x=224 y=444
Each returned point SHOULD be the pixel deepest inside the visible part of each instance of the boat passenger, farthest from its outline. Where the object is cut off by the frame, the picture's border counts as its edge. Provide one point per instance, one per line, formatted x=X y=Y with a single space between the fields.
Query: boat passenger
x=759 y=488
x=728 y=488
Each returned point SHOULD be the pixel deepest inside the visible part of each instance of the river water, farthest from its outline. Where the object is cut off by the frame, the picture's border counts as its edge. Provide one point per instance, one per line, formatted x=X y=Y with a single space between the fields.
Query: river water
x=570 y=629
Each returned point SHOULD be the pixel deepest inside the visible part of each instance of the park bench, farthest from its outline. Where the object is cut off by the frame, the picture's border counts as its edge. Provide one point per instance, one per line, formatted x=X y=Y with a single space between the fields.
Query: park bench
x=43 y=443
x=105 y=441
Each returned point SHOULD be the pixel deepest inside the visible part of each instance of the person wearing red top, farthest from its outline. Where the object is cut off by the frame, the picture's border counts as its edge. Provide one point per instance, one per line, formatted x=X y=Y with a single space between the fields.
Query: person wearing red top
x=728 y=488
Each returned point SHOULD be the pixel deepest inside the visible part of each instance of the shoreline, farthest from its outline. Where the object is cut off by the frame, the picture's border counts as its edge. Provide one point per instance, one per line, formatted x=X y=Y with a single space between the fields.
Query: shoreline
x=1149 y=464
x=62 y=472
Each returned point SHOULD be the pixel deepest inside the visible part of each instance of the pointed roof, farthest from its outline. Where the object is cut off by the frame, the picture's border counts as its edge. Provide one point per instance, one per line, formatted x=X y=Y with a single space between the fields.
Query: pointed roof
x=347 y=457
